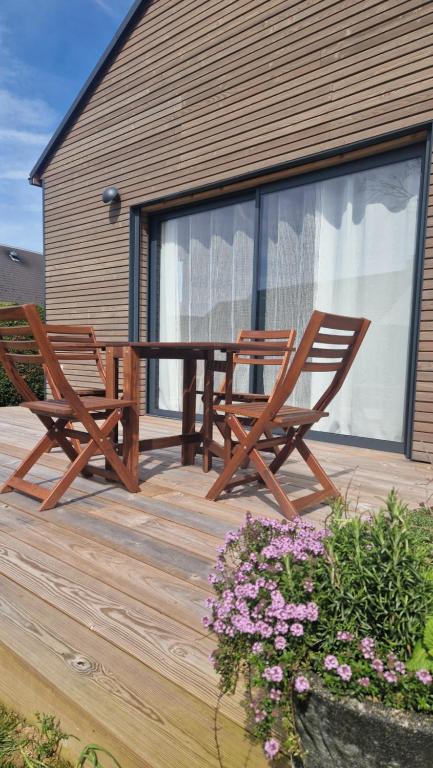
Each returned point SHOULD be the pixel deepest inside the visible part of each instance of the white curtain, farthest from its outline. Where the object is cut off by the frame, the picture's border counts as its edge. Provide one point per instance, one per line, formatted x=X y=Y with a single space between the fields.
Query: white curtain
x=347 y=245
x=206 y=277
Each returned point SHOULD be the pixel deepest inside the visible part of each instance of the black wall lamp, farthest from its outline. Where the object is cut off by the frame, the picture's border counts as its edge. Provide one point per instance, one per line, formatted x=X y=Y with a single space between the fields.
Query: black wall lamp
x=110 y=195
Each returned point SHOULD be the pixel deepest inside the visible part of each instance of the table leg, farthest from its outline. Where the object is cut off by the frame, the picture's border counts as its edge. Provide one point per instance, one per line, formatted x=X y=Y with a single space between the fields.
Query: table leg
x=228 y=399
x=189 y=407
x=131 y=415
x=208 y=411
x=112 y=381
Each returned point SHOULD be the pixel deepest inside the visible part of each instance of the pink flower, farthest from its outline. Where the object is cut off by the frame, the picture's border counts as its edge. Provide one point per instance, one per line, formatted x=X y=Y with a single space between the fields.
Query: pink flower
x=274 y=674
x=308 y=585
x=301 y=684
x=364 y=681
x=424 y=676
x=345 y=637
x=280 y=643
x=377 y=665
x=274 y=694
x=390 y=676
x=257 y=647
x=272 y=747
x=400 y=667
x=344 y=671
x=312 y=612
x=297 y=629
x=367 y=647
x=331 y=662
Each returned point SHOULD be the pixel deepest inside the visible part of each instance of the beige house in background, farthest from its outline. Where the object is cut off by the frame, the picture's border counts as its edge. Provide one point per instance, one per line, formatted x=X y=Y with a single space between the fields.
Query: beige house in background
x=21 y=275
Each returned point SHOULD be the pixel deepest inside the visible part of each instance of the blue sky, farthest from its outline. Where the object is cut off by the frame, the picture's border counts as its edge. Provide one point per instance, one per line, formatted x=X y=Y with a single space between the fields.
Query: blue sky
x=47 y=50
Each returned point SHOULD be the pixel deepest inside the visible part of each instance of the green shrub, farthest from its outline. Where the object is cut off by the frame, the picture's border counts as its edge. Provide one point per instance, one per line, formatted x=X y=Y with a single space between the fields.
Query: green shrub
x=33 y=374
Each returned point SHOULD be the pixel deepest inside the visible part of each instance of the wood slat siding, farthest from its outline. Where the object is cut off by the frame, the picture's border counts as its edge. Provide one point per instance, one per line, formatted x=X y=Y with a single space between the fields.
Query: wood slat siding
x=204 y=91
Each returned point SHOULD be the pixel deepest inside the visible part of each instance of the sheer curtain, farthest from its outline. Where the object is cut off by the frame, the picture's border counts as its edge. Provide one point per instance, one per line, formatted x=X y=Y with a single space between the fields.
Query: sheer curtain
x=206 y=279
x=347 y=245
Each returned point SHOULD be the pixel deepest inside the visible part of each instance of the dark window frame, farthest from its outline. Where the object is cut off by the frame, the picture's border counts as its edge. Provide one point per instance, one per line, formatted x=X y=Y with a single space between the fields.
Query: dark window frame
x=421 y=150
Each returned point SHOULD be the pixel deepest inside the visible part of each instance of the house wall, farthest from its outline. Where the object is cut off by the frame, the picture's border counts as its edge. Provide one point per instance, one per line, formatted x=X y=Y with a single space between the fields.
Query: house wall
x=204 y=91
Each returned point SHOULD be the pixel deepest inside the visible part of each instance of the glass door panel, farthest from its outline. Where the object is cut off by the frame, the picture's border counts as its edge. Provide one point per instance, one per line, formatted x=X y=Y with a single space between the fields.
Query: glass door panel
x=205 y=285
x=347 y=245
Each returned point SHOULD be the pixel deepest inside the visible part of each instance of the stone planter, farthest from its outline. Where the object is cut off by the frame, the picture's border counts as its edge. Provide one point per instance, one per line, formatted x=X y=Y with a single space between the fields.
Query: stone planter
x=354 y=734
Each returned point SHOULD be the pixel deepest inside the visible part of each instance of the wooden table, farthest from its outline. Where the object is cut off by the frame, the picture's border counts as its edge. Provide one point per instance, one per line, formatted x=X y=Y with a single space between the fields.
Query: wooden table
x=190 y=352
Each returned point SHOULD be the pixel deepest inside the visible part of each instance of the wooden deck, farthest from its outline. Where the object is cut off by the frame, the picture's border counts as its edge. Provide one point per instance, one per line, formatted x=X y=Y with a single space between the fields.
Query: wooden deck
x=101 y=599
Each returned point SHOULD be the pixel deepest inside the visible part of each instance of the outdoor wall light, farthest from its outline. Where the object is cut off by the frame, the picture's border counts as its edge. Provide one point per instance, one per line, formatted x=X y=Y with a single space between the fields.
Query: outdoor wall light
x=110 y=195
x=14 y=257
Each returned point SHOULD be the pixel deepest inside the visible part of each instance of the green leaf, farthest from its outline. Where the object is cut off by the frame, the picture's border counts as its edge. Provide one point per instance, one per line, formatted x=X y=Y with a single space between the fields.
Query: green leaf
x=428 y=634
x=419 y=660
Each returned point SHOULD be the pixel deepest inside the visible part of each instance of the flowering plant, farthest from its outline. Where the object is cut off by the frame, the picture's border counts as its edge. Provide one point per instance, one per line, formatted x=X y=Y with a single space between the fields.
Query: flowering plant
x=350 y=603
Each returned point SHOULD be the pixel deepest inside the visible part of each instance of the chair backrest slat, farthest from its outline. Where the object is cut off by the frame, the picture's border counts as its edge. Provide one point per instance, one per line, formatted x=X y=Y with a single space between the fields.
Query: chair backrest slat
x=324 y=367
x=264 y=357
x=23 y=358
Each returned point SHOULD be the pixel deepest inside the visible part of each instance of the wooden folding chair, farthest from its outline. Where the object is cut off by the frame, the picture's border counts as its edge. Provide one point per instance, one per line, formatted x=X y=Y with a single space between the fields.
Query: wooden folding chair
x=262 y=359
x=78 y=342
x=25 y=339
x=246 y=357
x=330 y=344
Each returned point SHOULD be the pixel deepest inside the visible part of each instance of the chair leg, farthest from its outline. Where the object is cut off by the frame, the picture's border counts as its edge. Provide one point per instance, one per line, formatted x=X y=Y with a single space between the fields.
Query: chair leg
x=287 y=507
x=230 y=468
x=316 y=468
x=266 y=474
x=45 y=444
x=100 y=437
x=284 y=452
x=65 y=481
x=82 y=459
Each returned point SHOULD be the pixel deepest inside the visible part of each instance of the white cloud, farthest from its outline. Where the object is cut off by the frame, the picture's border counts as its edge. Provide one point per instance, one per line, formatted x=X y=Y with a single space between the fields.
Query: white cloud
x=106 y=7
x=13 y=174
x=31 y=138
x=18 y=111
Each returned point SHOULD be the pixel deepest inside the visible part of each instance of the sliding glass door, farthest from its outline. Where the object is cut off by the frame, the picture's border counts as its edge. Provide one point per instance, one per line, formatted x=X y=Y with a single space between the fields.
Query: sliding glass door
x=342 y=241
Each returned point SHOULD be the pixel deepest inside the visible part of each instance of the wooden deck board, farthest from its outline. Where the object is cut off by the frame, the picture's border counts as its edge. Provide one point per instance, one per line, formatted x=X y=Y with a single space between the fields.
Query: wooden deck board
x=101 y=599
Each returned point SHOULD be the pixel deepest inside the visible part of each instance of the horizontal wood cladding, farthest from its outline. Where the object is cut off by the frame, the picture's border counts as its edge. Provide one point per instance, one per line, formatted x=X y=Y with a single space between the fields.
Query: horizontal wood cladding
x=202 y=92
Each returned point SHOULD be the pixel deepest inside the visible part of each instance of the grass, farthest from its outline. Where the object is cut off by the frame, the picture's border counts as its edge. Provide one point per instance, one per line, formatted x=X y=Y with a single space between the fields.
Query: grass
x=39 y=745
